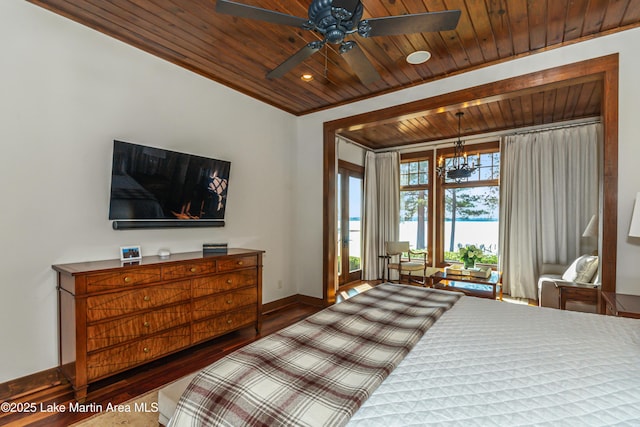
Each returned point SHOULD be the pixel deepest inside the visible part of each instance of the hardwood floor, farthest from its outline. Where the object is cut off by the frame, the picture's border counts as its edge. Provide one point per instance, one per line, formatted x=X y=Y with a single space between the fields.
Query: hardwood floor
x=354 y=288
x=135 y=382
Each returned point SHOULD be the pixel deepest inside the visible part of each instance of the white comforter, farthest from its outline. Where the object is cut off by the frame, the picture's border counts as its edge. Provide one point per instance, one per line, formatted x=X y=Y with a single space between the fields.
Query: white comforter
x=488 y=363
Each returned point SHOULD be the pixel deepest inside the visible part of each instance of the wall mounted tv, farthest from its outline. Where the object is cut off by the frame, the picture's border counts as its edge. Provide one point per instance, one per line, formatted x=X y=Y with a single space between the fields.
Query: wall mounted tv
x=157 y=188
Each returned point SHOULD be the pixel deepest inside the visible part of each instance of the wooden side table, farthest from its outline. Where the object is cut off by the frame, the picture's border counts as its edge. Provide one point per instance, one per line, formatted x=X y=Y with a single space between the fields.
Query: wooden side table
x=621 y=305
x=577 y=292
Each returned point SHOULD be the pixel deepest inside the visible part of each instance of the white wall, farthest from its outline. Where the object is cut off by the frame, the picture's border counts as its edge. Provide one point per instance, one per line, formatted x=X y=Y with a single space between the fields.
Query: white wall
x=350 y=152
x=65 y=93
x=308 y=213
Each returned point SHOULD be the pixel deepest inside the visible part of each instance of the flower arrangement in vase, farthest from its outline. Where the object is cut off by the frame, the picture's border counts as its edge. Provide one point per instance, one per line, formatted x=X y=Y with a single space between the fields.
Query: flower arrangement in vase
x=469 y=255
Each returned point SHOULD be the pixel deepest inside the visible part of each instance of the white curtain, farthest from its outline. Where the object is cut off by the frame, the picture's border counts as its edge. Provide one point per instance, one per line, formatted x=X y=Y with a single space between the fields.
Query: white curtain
x=548 y=192
x=381 y=216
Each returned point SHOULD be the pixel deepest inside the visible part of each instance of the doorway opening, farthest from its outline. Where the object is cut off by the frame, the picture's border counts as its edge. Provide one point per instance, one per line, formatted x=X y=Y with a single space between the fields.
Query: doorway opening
x=349 y=199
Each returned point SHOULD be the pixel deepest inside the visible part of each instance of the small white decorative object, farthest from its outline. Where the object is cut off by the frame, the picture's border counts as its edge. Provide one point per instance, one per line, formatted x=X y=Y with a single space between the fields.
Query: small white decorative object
x=164 y=253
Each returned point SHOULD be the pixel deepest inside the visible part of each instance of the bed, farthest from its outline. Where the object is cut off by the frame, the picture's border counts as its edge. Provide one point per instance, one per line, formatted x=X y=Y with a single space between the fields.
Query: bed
x=471 y=362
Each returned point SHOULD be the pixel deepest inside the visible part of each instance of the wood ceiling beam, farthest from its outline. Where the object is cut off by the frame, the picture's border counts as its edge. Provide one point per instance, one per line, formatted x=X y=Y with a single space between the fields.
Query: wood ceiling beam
x=457 y=101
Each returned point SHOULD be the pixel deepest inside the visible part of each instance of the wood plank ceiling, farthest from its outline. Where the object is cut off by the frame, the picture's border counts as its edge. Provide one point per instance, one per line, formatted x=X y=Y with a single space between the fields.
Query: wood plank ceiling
x=238 y=52
x=570 y=101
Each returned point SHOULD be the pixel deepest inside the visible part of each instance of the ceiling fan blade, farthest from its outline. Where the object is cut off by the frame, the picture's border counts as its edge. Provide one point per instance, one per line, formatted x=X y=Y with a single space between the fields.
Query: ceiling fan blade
x=411 y=24
x=359 y=63
x=245 y=11
x=294 y=60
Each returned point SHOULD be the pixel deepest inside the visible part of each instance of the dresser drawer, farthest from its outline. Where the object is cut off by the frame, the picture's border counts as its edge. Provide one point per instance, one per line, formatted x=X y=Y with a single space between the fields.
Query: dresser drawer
x=121 y=303
x=180 y=271
x=111 y=281
x=117 y=331
x=210 y=328
x=236 y=263
x=218 y=304
x=223 y=282
x=119 y=358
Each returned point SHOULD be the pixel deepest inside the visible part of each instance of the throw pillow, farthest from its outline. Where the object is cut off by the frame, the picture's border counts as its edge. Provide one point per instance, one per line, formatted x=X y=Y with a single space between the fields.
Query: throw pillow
x=582 y=269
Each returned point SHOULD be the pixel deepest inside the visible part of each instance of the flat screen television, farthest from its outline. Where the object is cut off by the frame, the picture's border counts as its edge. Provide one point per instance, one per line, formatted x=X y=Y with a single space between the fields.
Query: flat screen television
x=152 y=187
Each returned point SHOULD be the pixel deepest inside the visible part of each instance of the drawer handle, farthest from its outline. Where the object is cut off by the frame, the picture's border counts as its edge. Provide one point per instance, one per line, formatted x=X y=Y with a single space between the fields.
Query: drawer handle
x=240 y=262
x=127 y=279
x=146 y=349
x=193 y=269
x=146 y=298
x=229 y=281
x=229 y=301
x=229 y=321
x=146 y=324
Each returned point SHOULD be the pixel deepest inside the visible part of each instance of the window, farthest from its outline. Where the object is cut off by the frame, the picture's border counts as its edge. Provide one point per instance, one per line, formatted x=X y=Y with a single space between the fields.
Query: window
x=469 y=208
x=415 y=211
x=460 y=213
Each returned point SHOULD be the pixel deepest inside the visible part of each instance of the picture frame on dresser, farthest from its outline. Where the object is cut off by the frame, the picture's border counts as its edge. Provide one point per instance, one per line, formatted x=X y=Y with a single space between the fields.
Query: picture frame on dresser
x=130 y=253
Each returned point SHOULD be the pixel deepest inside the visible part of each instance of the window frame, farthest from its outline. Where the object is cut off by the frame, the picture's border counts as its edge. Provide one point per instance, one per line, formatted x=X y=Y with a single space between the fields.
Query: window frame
x=441 y=186
x=429 y=187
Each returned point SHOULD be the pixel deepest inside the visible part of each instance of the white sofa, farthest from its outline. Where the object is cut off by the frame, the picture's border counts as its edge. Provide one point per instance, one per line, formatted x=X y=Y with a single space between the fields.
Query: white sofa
x=581 y=272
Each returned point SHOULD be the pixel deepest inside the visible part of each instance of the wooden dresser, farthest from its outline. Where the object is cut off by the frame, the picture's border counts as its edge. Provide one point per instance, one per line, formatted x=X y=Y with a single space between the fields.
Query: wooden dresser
x=114 y=315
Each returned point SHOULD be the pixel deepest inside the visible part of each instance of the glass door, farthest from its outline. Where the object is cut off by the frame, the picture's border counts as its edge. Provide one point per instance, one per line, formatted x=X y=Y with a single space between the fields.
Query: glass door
x=350 y=188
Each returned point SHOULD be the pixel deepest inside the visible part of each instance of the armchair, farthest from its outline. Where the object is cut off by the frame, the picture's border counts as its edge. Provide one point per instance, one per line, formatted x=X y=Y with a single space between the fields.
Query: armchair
x=416 y=263
x=574 y=287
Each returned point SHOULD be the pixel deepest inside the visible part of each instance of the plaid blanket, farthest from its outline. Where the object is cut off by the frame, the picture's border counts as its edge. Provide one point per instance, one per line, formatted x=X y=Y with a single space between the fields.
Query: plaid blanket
x=319 y=371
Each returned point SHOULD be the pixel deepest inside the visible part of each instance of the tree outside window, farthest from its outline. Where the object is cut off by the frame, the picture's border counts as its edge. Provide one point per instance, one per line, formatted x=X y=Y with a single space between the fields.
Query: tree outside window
x=414 y=203
x=471 y=209
x=466 y=212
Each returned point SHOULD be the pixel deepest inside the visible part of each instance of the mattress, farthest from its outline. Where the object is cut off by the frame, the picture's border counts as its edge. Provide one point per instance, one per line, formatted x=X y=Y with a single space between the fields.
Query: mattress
x=490 y=363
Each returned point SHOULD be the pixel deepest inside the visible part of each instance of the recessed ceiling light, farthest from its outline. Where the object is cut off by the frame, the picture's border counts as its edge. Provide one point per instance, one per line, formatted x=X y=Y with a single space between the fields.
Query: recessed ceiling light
x=307 y=77
x=418 y=57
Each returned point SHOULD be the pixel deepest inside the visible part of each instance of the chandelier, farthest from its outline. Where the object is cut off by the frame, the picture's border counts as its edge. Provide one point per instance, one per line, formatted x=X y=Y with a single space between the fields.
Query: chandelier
x=459 y=166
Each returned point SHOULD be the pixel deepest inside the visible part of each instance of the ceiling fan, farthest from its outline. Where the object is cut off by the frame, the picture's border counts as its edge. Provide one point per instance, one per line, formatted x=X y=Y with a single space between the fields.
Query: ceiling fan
x=337 y=19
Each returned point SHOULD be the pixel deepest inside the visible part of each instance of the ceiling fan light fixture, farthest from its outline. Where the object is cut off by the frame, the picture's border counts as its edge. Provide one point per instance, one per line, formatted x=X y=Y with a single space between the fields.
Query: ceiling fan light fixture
x=418 y=57
x=334 y=20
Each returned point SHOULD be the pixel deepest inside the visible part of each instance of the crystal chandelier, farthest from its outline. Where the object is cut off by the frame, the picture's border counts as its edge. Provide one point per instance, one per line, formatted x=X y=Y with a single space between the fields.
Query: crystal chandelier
x=460 y=168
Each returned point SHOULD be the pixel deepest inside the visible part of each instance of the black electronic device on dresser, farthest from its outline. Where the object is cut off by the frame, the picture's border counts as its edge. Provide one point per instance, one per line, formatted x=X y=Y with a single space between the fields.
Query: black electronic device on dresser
x=157 y=188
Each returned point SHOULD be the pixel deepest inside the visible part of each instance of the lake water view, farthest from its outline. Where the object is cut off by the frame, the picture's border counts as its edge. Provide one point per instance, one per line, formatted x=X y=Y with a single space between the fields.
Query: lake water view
x=468 y=232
